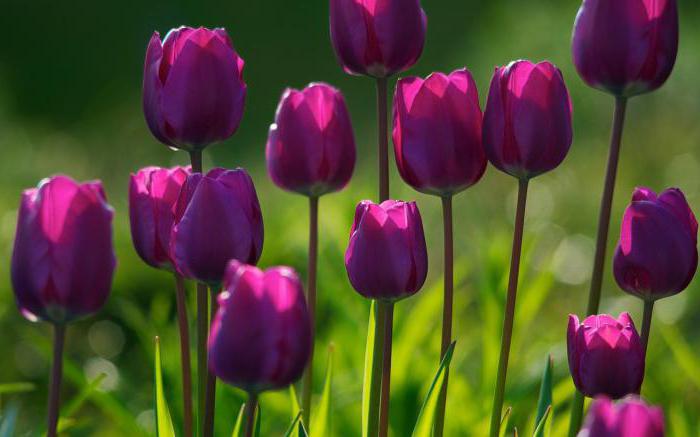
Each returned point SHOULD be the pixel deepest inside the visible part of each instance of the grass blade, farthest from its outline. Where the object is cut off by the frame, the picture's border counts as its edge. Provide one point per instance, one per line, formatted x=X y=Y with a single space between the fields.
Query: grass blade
x=367 y=377
x=544 y=404
x=293 y=427
x=544 y=422
x=321 y=422
x=238 y=427
x=504 y=422
x=16 y=387
x=426 y=417
x=164 y=423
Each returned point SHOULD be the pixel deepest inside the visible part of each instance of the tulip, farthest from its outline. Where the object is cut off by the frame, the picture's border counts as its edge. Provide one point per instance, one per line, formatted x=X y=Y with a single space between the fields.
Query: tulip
x=261 y=335
x=217 y=218
x=193 y=89
x=606 y=356
x=527 y=121
x=437 y=132
x=632 y=417
x=626 y=47
x=311 y=146
x=63 y=259
x=153 y=192
x=657 y=254
x=377 y=37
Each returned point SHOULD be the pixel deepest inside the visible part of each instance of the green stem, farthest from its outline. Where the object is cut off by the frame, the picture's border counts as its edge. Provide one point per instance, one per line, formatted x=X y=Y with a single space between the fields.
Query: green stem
x=376 y=375
x=509 y=310
x=202 y=370
x=184 y=354
x=250 y=407
x=59 y=338
x=210 y=401
x=386 y=368
x=307 y=384
x=646 y=323
x=383 y=138
x=196 y=161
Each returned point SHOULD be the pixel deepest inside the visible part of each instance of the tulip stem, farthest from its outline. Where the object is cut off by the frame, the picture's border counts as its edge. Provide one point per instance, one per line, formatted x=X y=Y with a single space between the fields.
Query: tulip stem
x=210 y=401
x=196 y=160
x=59 y=338
x=307 y=387
x=602 y=238
x=202 y=334
x=375 y=384
x=386 y=368
x=250 y=407
x=509 y=310
x=646 y=323
x=184 y=354
x=383 y=137
x=446 y=307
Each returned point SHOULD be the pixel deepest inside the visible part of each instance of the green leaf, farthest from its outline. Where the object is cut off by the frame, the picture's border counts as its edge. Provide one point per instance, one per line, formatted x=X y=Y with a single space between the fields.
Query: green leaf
x=544 y=404
x=294 y=401
x=294 y=426
x=367 y=378
x=8 y=421
x=65 y=422
x=164 y=423
x=238 y=427
x=16 y=387
x=544 y=422
x=503 y=427
x=302 y=431
x=426 y=417
x=321 y=422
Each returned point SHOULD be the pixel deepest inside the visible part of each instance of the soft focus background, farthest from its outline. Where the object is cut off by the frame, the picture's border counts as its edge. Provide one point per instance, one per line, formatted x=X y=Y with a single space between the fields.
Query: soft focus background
x=70 y=102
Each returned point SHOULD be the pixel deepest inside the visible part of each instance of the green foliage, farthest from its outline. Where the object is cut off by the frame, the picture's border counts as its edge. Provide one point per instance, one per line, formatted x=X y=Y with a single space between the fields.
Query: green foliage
x=503 y=427
x=323 y=414
x=426 y=417
x=543 y=419
x=164 y=424
x=367 y=375
x=238 y=426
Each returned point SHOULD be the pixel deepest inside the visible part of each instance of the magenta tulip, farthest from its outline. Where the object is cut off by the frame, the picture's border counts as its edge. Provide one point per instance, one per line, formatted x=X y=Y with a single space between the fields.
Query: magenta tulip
x=626 y=47
x=377 y=37
x=386 y=258
x=631 y=417
x=606 y=356
x=527 y=121
x=63 y=259
x=657 y=254
x=261 y=336
x=153 y=193
x=193 y=89
x=437 y=132
x=217 y=218
x=311 y=146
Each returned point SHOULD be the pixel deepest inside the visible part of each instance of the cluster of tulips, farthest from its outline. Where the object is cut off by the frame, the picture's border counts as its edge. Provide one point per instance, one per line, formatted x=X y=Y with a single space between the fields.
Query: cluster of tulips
x=255 y=328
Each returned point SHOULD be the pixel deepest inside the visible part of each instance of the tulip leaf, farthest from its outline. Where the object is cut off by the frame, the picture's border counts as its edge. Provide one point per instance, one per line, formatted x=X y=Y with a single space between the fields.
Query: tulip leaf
x=296 y=410
x=504 y=422
x=294 y=426
x=301 y=430
x=544 y=404
x=164 y=423
x=426 y=417
x=8 y=421
x=543 y=424
x=367 y=377
x=321 y=422
x=258 y=415
x=238 y=427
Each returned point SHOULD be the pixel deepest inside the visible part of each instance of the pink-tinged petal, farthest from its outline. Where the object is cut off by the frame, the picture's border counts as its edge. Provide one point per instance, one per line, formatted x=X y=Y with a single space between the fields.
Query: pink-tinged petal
x=675 y=201
x=349 y=34
x=643 y=193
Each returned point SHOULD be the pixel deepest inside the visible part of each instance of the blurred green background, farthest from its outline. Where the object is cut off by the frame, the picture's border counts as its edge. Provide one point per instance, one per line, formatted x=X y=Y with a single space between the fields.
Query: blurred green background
x=70 y=84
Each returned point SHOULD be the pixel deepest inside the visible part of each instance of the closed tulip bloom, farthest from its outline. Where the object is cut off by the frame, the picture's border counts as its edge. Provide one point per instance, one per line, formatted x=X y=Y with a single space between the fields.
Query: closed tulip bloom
x=437 y=132
x=261 y=335
x=631 y=417
x=657 y=253
x=626 y=47
x=527 y=121
x=387 y=258
x=153 y=193
x=193 y=89
x=377 y=37
x=217 y=218
x=606 y=356
x=63 y=259
x=311 y=146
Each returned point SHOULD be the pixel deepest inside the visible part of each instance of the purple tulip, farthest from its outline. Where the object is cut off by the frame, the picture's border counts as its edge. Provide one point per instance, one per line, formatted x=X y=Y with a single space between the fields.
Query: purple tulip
x=193 y=89
x=631 y=417
x=657 y=254
x=377 y=37
x=63 y=259
x=386 y=257
x=437 y=132
x=153 y=193
x=311 y=147
x=606 y=356
x=217 y=218
x=261 y=335
x=626 y=47
x=527 y=122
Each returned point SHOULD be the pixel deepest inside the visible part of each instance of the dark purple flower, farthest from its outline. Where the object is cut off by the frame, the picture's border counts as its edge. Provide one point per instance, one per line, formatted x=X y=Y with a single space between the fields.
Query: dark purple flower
x=153 y=193
x=626 y=47
x=631 y=417
x=311 y=146
x=377 y=37
x=63 y=259
x=657 y=253
x=527 y=122
x=387 y=257
x=261 y=336
x=193 y=89
x=606 y=356
x=437 y=132
x=217 y=219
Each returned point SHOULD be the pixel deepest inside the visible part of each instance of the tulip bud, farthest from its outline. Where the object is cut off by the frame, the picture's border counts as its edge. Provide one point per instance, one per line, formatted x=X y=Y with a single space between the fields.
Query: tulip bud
x=527 y=122
x=631 y=417
x=260 y=338
x=377 y=37
x=657 y=254
x=217 y=218
x=386 y=257
x=606 y=356
x=311 y=147
x=153 y=192
x=193 y=89
x=626 y=47
x=63 y=259
x=437 y=132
